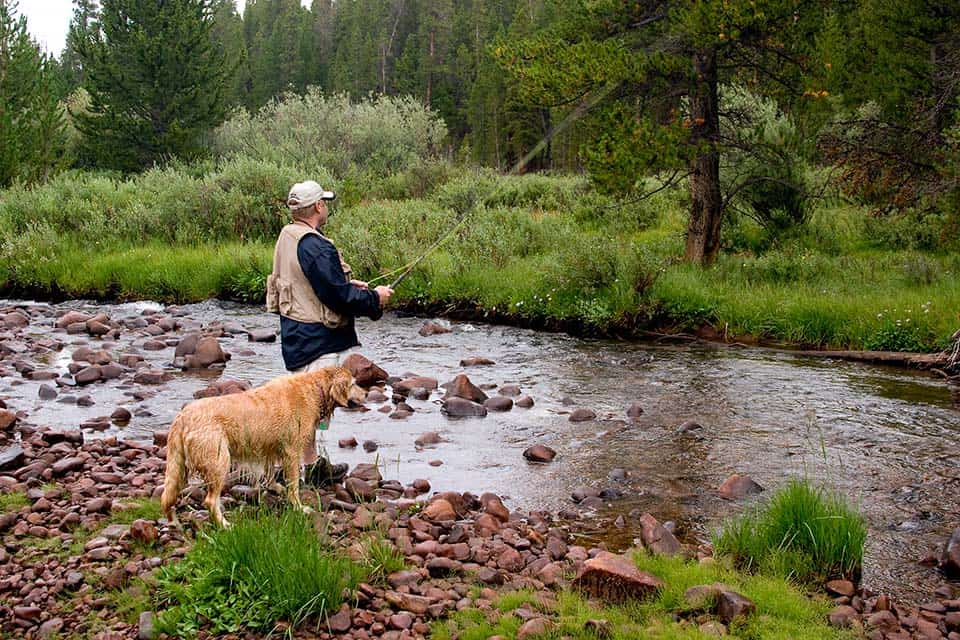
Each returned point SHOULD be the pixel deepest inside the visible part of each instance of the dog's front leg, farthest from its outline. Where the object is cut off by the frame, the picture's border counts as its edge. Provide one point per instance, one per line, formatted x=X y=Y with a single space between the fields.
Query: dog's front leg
x=291 y=473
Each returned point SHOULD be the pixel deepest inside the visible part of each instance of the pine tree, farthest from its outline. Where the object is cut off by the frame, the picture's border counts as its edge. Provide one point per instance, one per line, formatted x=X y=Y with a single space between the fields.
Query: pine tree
x=31 y=121
x=156 y=83
x=85 y=23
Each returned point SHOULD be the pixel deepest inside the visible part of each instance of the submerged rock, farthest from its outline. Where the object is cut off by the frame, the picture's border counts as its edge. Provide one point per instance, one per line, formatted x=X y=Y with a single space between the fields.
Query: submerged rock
x=738 y=486
x=460 y=407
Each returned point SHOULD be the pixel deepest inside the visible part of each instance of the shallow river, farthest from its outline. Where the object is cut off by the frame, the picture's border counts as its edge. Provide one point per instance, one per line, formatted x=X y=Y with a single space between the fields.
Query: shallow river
x=886 y=438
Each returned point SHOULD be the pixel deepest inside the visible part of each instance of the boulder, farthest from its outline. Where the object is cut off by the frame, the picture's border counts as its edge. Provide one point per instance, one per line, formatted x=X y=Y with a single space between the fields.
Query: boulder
x=615 y=578
x=262 y=335
x=498 y=403
x=404 y=386
x=524 y=402
x=461 y=387
x=459 y=407
x=7 y=419
x=364 y=370
x=656 y=538
x=208 y=352
x=476 y=362
x=71 y=317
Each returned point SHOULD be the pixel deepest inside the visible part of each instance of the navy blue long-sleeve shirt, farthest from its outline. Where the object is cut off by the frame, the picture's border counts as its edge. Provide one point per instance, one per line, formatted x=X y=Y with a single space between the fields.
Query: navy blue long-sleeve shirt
x=304 y=342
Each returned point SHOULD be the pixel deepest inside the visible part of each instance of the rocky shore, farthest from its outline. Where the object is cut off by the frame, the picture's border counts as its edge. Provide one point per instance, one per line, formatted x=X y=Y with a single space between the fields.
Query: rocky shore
x=75 y=539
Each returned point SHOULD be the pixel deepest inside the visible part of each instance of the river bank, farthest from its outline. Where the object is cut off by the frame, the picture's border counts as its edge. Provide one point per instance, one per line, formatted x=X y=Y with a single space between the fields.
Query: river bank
x=880 y=436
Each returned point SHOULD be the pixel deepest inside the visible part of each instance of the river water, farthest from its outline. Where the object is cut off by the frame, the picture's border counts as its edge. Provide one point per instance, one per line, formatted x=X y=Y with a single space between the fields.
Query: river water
x=885 y=438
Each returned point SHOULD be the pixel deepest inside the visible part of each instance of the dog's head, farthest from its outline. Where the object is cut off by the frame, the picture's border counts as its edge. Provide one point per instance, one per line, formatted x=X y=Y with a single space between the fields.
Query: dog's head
x=344 y=389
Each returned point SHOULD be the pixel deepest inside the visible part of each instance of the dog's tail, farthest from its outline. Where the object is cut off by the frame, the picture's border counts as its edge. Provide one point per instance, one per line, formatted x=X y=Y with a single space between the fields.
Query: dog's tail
x=176 y=474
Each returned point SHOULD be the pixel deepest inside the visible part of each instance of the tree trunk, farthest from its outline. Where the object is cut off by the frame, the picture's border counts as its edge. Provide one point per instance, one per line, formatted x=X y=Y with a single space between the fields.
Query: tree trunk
x=706 y=205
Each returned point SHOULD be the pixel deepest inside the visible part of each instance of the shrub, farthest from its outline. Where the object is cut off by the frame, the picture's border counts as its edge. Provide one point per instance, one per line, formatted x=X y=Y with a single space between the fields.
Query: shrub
x=381 y=134
x=264 y=569
x=802 y=533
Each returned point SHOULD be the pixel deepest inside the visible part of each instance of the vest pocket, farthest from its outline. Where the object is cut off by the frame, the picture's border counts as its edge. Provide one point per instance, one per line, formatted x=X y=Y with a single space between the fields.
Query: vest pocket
x=273 y=294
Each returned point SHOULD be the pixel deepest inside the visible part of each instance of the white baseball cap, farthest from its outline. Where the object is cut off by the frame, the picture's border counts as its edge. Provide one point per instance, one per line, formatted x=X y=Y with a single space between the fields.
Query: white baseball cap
x=304 y=194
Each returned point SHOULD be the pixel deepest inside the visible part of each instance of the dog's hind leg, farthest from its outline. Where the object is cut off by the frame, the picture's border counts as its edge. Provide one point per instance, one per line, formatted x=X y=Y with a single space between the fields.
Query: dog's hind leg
x=176 y=476
x=214 y=473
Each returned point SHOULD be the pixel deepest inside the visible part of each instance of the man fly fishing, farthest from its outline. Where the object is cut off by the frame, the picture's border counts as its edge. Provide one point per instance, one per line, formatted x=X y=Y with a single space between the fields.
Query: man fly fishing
x=311 y=289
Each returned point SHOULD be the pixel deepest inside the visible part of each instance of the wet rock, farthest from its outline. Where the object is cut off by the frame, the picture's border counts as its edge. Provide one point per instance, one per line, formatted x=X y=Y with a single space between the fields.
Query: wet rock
x=431 y=328
x=524 y=402
x=151 y=376
x=404 y=386
x=493 y=505
x=738 y=486
x=154 y=345
x=582 y=415
x=615 y=578
x=262 y=335
x=689 y=427
x=369 y=446
x=539 y=453
x=47 y=392
x=208 y=352
x=498 y=403
x=347 y=443
x=360 y=489
x=364 y=370
x=428 y=438
x=476 y=362
x=460 y=407
x=461 y=387
x=656 y=537
x=367 y=472
x=71 y=317
x=14 y=320
x=66 y=465
x=12 y=457
x=111 y=371
x=121 y=414
x=950 y=558
x=85 y=401
x=222 y=387
x=187 y=345
x=634 y=410
x=582 y=493
x=87 y=375
x=375 y=395
x=511 y=390
x=341 y=621
x=419 y=393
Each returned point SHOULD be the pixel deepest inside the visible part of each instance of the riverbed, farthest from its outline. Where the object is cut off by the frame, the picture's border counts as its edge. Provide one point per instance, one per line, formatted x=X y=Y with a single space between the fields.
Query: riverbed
x=885 y=438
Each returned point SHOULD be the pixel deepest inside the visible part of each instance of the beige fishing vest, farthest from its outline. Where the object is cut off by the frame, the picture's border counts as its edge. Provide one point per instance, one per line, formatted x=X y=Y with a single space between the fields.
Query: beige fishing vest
x=289 y=293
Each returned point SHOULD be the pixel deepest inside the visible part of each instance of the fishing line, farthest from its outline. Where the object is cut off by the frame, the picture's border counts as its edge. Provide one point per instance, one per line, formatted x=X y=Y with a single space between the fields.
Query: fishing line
x=588 y=103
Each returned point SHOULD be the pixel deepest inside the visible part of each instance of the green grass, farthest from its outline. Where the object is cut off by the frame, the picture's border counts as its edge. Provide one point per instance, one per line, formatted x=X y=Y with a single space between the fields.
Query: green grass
x=13 y=501
x=380 y=557
x=802 y=533
x=783 y=611
x=543 y=250
x=266 y=568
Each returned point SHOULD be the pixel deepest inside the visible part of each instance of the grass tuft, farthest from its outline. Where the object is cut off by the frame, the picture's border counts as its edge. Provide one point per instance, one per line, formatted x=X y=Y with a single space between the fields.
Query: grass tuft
x=803 y=533
x=267 y=568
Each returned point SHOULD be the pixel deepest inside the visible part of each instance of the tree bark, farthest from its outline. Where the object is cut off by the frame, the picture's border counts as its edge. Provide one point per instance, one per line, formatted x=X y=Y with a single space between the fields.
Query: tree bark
x=706 y=204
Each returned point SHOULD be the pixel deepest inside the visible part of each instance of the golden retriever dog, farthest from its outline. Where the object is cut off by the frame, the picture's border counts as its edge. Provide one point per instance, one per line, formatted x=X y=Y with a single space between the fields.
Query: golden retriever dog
x=271 y=424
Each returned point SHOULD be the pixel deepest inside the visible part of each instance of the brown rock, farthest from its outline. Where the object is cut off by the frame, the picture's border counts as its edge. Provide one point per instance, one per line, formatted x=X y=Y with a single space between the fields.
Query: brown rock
x=582 y=415
x=476 y=362
x=438 y=510
x=841 y=588
x=461 y=387
x=360 y=489
x=493 y=505
x=844 y=616
x=431 y=328
x=634 y=410
x=457 y=407
x=615 y=578
x=342 y=620
x=524 y=402
x=498 y=403
x=539 y=453
x=404 y=386
x=428 y=438
x=732 y=605
x=208 y=352
x=7 y=419
x=738 y=486
x=71 y=317
x=950 y=558
x=656 y=538
x=486 y=525
x=151 y=376
x=364 y=370
x=143 y=531
x=883 y=620
x=347 y=443
x=534 y=628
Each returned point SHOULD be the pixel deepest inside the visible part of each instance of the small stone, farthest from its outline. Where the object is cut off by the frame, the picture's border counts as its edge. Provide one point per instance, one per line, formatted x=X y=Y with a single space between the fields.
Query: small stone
x=582 y=415
x=738 y=486
x=539 y=453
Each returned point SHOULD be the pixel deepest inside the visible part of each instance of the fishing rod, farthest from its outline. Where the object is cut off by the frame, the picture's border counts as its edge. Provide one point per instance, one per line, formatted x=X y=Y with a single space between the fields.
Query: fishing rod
x=585 y=105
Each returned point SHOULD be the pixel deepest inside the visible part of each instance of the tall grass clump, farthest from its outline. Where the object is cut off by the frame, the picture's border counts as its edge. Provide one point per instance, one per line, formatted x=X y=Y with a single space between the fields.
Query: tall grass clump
x=803 y=533
x=266 y=568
